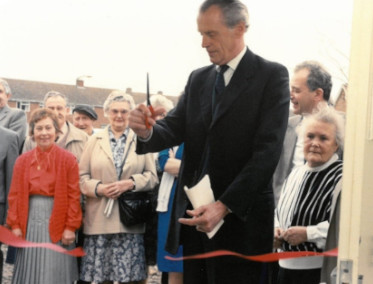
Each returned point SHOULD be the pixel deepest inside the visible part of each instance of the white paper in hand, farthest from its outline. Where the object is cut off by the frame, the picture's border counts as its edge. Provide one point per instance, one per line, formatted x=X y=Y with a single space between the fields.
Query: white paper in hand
x=201 y=194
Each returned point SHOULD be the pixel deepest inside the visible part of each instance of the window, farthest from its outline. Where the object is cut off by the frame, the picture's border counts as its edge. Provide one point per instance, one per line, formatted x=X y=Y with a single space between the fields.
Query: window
x=71 y=107
x=24 y=106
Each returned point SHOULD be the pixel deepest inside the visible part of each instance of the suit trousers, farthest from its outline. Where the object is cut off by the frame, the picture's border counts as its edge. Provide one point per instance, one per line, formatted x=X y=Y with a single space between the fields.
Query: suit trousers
x=217 y=270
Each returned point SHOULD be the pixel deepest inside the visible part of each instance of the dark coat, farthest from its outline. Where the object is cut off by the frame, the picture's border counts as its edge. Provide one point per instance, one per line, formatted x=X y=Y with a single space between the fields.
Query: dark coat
x=8 y=154
x=239 y=147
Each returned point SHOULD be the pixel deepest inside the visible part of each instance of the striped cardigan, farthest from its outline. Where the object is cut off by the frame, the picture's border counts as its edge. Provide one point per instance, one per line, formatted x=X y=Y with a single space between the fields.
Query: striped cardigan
x=306 y=199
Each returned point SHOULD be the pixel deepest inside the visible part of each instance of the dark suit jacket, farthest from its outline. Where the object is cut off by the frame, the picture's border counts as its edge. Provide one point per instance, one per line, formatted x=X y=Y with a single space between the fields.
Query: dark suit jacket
x=8 y=155
x=14 y=119
x=242 y=143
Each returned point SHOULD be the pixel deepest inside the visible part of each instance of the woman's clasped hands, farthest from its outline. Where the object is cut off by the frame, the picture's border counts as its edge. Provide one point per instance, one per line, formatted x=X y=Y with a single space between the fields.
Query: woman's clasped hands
x=115 y=189
x=293 y=235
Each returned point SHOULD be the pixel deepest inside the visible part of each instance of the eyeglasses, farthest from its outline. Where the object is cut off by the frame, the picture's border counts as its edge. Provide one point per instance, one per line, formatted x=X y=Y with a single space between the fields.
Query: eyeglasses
x=116 y=111
x=58 y=108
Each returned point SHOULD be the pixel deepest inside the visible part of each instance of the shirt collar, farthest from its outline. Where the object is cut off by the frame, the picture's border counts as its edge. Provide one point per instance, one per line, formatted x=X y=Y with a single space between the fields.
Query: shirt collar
x=235 y=61
x=4 y=108
x=64 y=129
x=124 y=134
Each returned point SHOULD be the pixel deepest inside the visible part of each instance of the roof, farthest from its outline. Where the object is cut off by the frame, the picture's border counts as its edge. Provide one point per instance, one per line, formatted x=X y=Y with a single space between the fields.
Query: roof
x=34 y=91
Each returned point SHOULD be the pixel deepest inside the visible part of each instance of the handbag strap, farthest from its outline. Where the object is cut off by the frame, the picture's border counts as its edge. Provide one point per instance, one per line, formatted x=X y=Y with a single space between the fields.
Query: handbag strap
x=125 y=157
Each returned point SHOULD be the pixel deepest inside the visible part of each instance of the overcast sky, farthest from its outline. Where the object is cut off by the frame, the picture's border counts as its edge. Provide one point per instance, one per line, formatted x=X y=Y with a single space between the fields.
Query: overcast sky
x=118 y=41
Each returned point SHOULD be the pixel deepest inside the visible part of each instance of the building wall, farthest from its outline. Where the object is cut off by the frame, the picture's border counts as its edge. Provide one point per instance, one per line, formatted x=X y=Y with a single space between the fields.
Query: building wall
x=101 y=122
x=27 y=95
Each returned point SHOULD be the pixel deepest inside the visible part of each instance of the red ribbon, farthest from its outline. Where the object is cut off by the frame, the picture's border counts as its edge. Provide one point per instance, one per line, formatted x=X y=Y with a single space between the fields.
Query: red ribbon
x=7 y=237
x=269 y=257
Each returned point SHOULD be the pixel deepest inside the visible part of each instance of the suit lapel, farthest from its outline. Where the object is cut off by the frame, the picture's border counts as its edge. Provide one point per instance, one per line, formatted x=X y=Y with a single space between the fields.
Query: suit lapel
x=105 y=143
x=4 y=112
x=106 y=147
x=206 y=97
x=291 y=137
x=237 y=85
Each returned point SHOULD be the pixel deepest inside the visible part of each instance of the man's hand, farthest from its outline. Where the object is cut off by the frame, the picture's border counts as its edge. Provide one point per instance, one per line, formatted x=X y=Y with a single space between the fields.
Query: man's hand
x=295 y=235
x=172 y=165
x=205 y=218
x=137 y=119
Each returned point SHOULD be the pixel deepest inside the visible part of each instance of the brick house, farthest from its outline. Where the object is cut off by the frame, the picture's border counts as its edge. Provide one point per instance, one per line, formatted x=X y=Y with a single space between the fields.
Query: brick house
x=28 y=95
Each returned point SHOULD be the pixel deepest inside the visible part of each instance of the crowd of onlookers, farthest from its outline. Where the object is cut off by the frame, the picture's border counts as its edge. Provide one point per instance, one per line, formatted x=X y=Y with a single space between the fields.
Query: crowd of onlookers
x=60 y=195
x=61 y=185
x=63 y=181
x=276 y=179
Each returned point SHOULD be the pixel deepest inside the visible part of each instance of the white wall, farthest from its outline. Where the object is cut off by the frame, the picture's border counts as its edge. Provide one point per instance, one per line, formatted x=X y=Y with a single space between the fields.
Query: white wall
x=356 y=231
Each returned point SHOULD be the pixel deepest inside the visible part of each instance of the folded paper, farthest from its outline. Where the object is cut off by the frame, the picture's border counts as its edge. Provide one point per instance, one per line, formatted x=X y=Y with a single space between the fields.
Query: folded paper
x=201 y=194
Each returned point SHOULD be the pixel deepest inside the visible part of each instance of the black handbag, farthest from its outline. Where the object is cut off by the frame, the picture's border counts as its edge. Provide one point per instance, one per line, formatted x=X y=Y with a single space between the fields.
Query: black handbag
x=134 y=206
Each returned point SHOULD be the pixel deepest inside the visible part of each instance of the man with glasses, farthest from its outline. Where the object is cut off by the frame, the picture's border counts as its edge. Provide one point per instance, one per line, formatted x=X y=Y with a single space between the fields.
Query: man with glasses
x=71 y=138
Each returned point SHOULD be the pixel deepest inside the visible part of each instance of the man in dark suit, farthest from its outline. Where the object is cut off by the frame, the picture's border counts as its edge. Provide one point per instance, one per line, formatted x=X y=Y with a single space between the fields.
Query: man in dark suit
x=11 y=118
x=8 y=154
x=235 y=138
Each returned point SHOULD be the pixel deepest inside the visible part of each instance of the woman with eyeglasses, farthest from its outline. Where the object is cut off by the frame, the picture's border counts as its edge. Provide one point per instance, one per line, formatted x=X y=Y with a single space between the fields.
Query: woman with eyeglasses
x=109 y=166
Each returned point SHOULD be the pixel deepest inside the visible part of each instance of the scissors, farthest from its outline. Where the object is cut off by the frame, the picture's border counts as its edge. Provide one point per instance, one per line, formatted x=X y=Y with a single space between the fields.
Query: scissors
x=150 y=107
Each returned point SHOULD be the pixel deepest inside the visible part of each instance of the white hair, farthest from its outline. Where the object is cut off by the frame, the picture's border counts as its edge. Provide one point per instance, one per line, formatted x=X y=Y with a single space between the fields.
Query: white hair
x=327 y=115
x=161 y=101
x=118 y=96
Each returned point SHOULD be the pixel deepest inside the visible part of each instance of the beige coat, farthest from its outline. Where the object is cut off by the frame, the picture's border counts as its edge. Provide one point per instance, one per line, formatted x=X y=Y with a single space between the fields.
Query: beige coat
x=97 y=165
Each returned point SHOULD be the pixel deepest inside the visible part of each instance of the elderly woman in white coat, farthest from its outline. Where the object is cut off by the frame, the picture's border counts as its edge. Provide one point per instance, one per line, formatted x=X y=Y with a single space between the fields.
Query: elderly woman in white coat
x=114 y=252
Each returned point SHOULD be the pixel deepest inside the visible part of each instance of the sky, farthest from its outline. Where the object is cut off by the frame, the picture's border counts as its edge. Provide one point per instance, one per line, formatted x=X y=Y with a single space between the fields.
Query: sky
x=116 y=42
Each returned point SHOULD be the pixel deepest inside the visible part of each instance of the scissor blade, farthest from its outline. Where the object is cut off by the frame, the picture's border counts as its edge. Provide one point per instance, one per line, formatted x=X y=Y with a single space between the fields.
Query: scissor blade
x=147 y=89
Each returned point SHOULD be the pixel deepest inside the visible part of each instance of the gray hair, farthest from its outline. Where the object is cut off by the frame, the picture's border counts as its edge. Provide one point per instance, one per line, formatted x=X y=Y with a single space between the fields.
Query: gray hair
x=161 y=101
x=327 y=115
x=118 y=96
x=318 y=77
x=54 y=94
x=6 y=87
x=234 y=11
